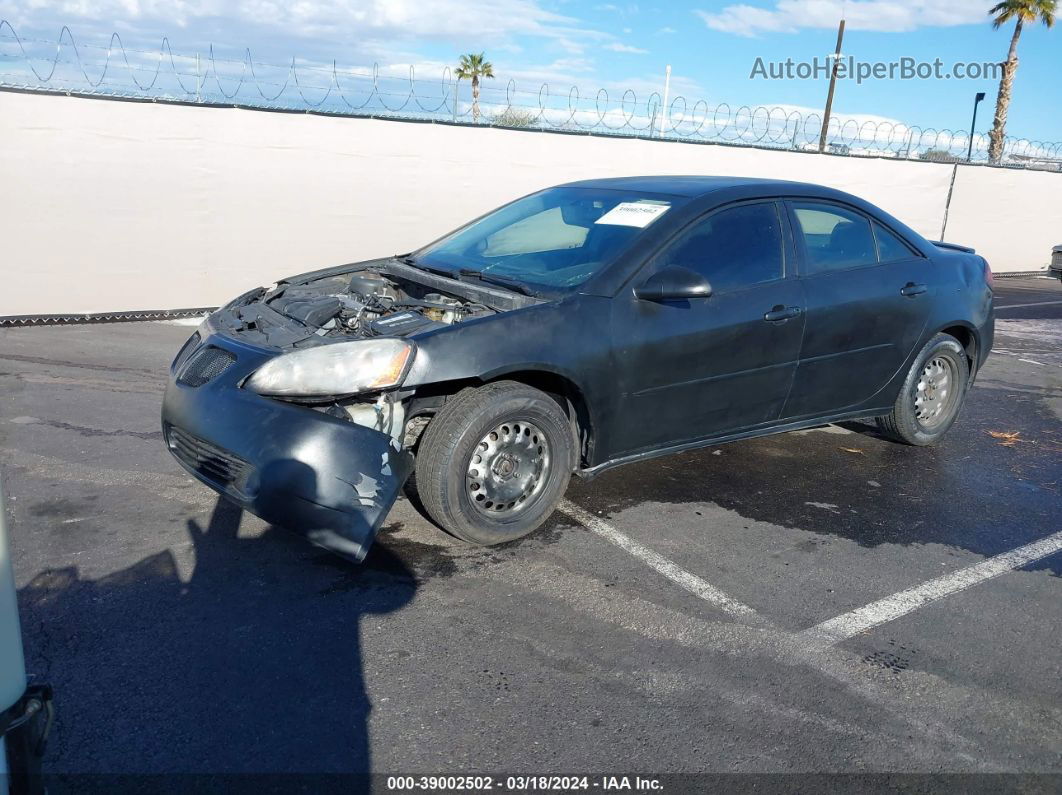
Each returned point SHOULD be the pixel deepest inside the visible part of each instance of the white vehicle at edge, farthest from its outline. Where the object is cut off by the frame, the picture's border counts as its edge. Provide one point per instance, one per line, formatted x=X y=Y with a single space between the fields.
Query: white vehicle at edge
x=25 y=711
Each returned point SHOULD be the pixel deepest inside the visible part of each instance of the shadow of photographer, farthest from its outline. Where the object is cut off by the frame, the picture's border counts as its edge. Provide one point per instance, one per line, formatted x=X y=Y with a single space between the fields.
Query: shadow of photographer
x=251 y=665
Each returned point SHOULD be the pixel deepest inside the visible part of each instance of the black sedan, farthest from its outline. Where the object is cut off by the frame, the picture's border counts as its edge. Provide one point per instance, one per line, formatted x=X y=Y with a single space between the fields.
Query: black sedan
x=573 y=330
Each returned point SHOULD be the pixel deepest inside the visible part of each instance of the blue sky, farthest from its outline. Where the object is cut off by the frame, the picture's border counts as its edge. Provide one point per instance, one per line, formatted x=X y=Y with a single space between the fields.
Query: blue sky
x=711 y=46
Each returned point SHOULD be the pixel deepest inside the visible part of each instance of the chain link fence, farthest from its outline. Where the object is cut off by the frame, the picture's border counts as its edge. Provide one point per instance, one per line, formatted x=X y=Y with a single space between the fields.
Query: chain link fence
x=65 y=66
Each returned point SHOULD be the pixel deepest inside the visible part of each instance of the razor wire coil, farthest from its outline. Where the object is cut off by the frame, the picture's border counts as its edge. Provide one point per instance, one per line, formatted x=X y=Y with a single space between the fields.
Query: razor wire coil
x=116 y=70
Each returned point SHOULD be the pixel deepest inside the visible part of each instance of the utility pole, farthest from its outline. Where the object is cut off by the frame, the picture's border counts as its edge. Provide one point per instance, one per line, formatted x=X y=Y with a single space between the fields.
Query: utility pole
x=973 y=125
x=833 y=85
x=667 y=90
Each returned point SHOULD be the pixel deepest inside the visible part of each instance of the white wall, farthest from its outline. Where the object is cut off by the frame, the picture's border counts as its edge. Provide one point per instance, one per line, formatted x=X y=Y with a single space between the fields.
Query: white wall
x=111 y=205
x=1012 y=218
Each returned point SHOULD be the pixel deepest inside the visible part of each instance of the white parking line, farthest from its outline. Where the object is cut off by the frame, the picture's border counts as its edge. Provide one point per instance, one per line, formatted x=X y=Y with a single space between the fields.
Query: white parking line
x=678 y=575
x=899 y=604
x=1023 y=306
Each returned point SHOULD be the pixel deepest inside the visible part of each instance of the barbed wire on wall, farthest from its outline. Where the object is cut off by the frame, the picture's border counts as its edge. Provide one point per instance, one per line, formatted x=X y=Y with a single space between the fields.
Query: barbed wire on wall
x=65 y=66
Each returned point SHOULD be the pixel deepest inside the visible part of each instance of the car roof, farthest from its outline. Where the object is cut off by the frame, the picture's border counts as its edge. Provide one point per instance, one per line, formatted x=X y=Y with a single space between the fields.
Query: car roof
x=694 y=185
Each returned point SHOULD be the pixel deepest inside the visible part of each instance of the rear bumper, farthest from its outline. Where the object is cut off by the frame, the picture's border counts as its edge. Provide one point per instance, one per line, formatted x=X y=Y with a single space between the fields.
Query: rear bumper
x=325 y=478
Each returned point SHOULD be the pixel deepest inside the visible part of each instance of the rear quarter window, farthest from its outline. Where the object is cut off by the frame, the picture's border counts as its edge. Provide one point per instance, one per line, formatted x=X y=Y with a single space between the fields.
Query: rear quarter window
x=890 y=246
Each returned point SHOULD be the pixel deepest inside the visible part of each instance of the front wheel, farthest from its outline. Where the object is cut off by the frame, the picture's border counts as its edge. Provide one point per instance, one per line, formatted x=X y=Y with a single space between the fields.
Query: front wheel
x=932 y=394
x=494 y=462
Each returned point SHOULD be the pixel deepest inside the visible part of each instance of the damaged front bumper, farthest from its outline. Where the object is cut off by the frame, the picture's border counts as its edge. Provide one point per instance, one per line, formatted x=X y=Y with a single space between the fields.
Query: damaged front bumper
x=325 y=478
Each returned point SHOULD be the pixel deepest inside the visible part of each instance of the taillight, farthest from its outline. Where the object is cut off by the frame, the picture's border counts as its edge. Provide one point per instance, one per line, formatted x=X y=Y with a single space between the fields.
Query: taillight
x=988 y=272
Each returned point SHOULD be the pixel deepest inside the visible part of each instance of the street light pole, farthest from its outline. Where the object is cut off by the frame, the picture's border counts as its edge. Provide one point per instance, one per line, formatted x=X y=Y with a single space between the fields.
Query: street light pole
x=833 y=85
x=977 y=101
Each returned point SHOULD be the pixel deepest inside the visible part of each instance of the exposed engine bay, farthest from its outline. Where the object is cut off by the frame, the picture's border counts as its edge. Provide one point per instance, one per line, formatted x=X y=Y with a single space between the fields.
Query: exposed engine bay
x=385 y=298
x=368 y=304
x=396 y=301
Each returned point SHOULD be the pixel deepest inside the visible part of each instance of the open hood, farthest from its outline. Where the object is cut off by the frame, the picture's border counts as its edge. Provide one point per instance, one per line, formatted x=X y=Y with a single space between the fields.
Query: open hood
x=357 y=302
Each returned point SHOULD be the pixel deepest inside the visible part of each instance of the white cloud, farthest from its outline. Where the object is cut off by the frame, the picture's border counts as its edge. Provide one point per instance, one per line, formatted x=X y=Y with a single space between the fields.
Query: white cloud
x=486 y=21
x=561 y=74
x=686 y=88
x=570 y=45
x=667 y=30
x=616 y=46
x=527 y=41
x=391 y=32
x=840 y=118
x=788 y=16
x=627 y=10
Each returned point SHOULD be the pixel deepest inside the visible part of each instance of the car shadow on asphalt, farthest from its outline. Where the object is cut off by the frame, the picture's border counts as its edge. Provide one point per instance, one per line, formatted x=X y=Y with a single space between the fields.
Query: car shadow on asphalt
x=251 y=664
x=968 y=491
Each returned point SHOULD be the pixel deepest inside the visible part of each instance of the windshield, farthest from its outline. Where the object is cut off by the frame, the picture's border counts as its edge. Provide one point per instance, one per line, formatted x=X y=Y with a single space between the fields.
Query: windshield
x=551 y=241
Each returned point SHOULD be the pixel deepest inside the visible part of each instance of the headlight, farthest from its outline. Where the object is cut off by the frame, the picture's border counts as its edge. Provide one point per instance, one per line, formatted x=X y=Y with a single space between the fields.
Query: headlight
x=343 y=368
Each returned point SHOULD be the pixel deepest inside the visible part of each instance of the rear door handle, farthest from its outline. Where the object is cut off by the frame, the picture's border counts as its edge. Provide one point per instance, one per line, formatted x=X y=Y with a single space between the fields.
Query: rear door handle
x=780 y=313
x=911 y=289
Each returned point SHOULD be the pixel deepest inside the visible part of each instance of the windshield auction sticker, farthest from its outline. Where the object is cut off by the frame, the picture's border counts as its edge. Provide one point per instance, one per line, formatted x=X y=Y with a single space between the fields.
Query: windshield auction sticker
x=639 y=214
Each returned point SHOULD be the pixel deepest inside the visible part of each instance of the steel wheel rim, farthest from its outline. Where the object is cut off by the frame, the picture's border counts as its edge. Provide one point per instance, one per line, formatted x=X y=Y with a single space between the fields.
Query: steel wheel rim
x=508 y=469
x=935 y=392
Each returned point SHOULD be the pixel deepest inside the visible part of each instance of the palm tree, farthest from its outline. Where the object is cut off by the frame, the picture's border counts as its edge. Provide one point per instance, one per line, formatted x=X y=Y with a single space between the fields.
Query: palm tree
x=1021 y=11
x=473 y=67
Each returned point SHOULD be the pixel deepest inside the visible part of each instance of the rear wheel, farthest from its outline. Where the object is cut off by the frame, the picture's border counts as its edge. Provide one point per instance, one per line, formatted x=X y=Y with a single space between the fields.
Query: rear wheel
x=932 y=394
x=494 y=462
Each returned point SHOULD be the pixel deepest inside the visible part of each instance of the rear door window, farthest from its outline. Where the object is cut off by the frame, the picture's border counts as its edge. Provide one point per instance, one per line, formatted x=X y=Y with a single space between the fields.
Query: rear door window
x=834 y=238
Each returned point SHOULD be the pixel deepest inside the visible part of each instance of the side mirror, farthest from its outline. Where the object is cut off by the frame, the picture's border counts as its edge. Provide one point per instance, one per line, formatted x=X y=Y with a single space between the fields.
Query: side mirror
x=673 y=283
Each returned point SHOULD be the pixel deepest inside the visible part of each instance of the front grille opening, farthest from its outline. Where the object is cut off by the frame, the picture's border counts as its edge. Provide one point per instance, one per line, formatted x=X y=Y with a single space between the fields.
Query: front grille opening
x=206 y=365
x=216 y=465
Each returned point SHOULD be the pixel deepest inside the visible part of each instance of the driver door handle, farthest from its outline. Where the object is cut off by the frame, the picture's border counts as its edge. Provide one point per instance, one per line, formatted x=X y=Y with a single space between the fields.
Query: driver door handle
x=911 y=289
x=779 y=313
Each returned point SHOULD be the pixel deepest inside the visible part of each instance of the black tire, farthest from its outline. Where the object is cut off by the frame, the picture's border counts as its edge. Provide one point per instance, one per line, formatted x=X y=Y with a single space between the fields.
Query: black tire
x=910 y=422
x=537 y=439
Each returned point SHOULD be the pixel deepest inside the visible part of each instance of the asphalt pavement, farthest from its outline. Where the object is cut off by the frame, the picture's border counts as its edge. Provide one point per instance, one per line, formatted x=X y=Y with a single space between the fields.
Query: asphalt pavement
x=815 y=602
